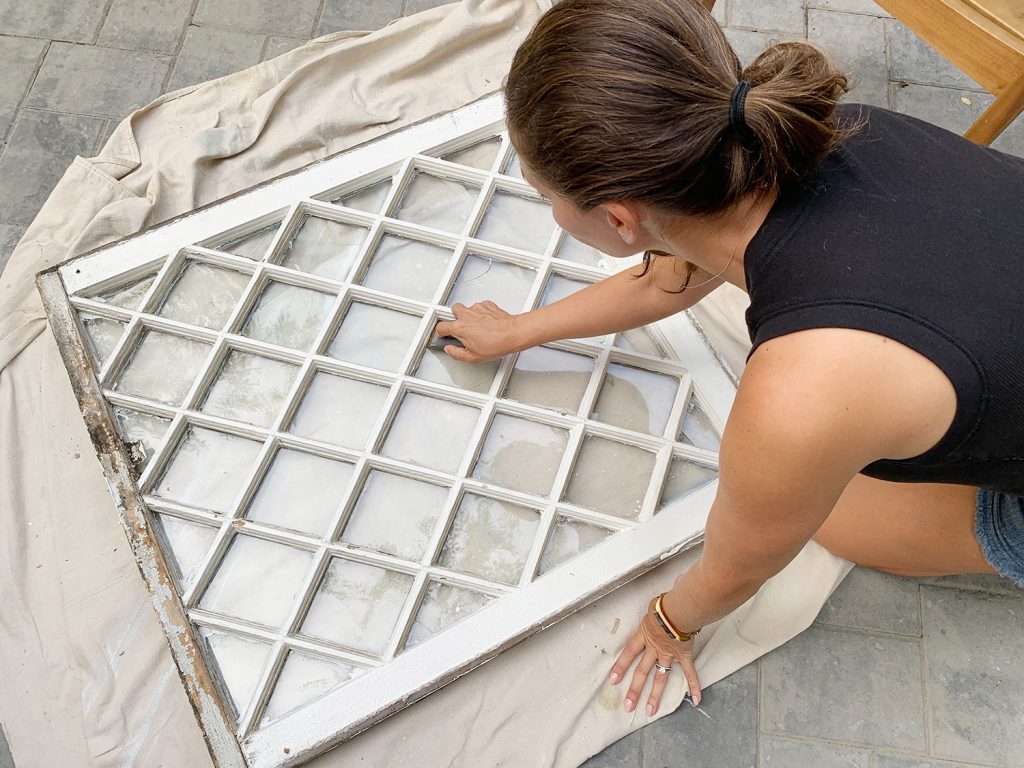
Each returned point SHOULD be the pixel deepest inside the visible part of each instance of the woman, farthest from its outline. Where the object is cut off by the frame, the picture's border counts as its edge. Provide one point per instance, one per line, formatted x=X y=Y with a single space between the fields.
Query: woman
x=881 y=410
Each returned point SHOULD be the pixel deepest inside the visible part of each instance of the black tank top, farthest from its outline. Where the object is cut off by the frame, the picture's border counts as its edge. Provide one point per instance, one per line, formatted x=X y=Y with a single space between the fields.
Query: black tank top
x=913 y=233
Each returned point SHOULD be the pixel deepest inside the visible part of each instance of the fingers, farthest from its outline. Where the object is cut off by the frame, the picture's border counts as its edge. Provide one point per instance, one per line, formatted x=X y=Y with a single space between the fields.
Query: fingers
x=458 y=309
x=633 y=648
x=658 y=687
x=445 y=328
x=643 y=669
x=460 y=353
x=692 y=682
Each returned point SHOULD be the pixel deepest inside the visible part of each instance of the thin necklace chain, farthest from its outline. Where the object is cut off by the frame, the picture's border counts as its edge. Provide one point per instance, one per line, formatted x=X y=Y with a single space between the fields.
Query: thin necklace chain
x=732 y=257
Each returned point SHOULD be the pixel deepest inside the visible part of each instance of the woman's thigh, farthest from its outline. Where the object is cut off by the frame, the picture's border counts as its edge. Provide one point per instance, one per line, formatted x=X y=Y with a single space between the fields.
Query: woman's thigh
x=913 y=529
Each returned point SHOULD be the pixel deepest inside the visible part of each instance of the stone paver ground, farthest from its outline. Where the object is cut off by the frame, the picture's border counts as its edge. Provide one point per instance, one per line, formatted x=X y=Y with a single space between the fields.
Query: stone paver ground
x=895 y=673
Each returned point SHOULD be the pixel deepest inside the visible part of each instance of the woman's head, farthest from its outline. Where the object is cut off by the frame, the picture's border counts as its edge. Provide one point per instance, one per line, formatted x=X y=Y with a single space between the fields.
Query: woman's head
x=613 y=100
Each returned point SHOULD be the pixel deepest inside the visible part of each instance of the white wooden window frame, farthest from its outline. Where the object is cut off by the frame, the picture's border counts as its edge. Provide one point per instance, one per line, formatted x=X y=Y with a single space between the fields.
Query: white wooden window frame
x=412 y=674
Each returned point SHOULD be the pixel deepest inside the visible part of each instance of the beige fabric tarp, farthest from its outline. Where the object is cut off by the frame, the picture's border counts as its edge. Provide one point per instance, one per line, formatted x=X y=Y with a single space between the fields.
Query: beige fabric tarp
x=89 y=680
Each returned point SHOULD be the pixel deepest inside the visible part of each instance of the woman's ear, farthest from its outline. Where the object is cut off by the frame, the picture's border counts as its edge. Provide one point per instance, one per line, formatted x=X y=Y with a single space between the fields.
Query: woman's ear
x=624 y=217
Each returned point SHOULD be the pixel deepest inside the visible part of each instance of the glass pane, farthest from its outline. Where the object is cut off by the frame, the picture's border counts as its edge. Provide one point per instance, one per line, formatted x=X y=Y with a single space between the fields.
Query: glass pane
x=697 y=429
x=443 y=605
x=610 y=477
x=368 y=199
x=490 y=539
x=407 y=268
x=357 y=606
x=642 y=341
x=568 y=539
x=438 y=366
x=572 y=249
x=636 y=399
x=374 y=336
x=517 y=221
x=103 y=335
x=483 y=278
x=162 y=367
x=128 y=295
x=521 y=455
x=431 y=432
x=252 y=245
x=395 y=515
x=136 y=427
x=550 y=378
x=435 y=202
x=250 y=388
x=558 y=288
x=339 y=410
x=301 y=491
x=513 y=167
x=203 y=295
x=480 y=155
x=684 y=477
x=186 y=545
x=208 y=469
x=305 y=678
x=288 y=315
x=257 y=581
x=239 y=662
x=324 y=247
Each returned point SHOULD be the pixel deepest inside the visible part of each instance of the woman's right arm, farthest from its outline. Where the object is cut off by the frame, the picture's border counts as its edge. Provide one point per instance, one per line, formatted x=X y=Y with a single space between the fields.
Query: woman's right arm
x=617 y=303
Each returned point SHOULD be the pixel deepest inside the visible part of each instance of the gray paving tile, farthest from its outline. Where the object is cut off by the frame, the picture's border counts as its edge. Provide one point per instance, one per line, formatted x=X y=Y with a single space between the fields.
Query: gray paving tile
x=834 y=684
x=726 y=738
x=1011 y=140
x=146 y=25
x=850 y=6
x=341 y=15
x=19 y=58
x=874 y=600
x=624 y=753
x=973 y=644
x=41 y=147
x=294 y=18
x=9 y=237
x=278 y=44
x=983 y=582
x=885 y=760
x=770 y=15
x=415 y=6
x=210 y=53
x=721 y=11
x=911 y=58
x=89 y=80
x=950 y=108
x=6 y=761
x=51 y=19
x=858 y=43
x=748 y=44
x=786 y=753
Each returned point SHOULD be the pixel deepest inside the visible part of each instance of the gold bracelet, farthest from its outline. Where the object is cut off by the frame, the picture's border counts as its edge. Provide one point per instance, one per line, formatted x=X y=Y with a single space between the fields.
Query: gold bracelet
x=667 y=625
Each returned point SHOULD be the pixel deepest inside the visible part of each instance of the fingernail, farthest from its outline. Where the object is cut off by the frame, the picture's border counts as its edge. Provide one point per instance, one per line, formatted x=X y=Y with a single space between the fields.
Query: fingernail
x=696 y=702
x=650 y=710
x=629 y=705
x=613 y=677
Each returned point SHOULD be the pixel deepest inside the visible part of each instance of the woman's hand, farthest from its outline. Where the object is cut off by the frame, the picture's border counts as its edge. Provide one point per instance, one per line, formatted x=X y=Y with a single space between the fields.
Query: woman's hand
x=485 y=330
x=653 y=645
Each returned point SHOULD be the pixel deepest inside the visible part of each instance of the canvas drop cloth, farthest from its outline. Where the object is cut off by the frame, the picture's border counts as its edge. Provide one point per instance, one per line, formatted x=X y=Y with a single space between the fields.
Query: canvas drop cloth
x=88 y=678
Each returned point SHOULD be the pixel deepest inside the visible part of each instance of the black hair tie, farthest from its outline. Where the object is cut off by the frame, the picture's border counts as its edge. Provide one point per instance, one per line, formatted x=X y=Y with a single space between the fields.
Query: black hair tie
x=738 y=105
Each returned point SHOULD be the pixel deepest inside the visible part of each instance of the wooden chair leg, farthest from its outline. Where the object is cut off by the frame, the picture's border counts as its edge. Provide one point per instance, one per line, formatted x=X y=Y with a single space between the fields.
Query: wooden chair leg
x=1001 y=113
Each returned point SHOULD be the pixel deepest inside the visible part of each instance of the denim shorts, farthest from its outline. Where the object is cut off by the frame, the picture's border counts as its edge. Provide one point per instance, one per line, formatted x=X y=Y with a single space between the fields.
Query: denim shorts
x=999 y=526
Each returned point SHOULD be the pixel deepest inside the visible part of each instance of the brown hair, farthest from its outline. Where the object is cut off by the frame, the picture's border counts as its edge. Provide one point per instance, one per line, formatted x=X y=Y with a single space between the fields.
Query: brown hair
x=630 y=99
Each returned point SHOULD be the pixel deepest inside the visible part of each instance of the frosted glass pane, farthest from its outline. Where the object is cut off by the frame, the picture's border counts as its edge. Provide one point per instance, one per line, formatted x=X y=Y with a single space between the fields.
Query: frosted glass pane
x=250 y=388
x=568 y=539
x=435 y=202
x=357 y=606
x=636 y=399
x=550 y=378
x=519 y=222
x=208 y=469
x=374 y=336
x=162 y=367
x=339 y=410
x=513 y=166
x=288 y=315
x=431 y=432
x=640 y=340
x=253 y=245
x=324 y=247
x=186 y=545
x=128 y=295
x=480 y=155
x=683 y=478
x=407 y=268
x=443 y=605
x=203 y=295
x=136 y=427
x=490 y=539
x=572 y=249
x=368 y=199
x=301 y=491
x=558 y=288
x=521 y=455
x=610 y=477
x=437 y=365
x=697 y=429
x=239 y=661
x=483 y=278
x=395 y=514
x=257 y=581
x=103 y=335
x=305 y=678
